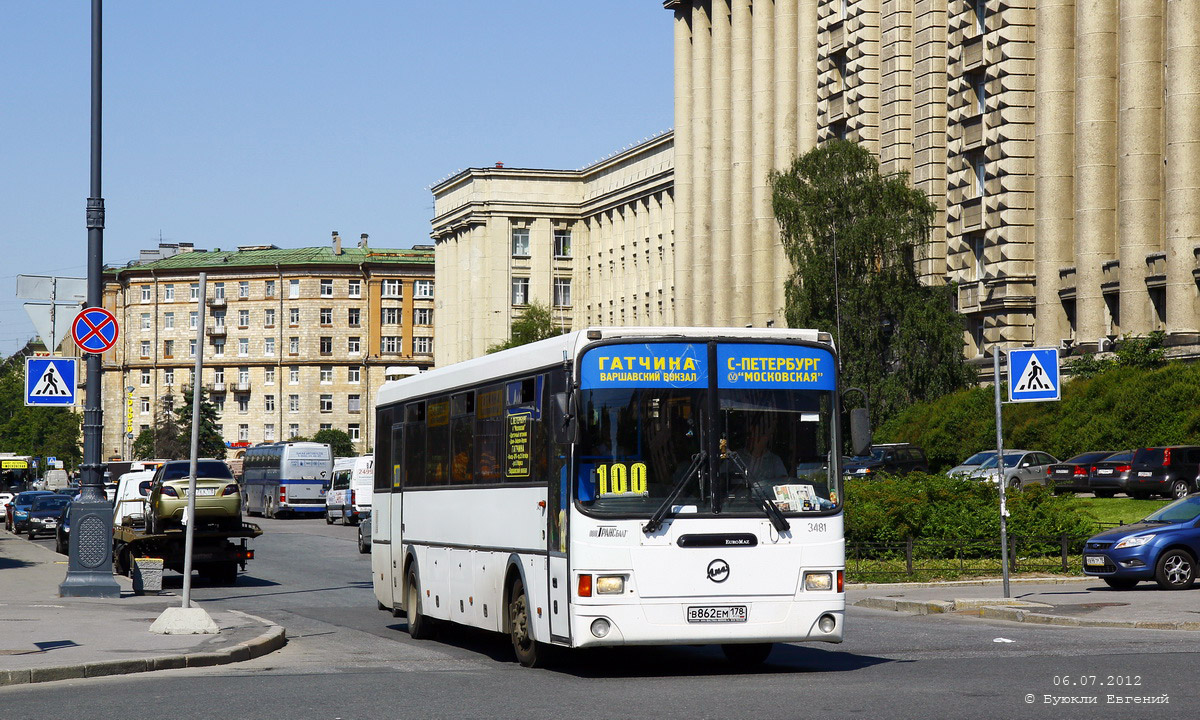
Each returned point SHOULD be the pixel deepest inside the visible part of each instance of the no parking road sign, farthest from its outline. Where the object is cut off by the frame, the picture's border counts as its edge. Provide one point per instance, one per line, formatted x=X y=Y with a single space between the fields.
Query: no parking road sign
x=50 y=382
x=94 y=330
x=1033 y=375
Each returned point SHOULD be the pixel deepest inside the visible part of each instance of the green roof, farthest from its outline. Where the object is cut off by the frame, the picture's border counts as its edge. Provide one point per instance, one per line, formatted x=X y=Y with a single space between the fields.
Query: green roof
x=201 y=259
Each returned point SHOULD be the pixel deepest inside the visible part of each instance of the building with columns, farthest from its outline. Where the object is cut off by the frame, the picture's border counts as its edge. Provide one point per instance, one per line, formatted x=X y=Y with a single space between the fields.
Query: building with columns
x=595 y=245
x=1058 y=139
x=295 y=340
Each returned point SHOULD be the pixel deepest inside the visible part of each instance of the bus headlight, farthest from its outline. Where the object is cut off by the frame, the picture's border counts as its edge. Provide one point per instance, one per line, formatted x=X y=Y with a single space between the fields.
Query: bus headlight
x=600 y=627
x=818 y=581
x=610 y=585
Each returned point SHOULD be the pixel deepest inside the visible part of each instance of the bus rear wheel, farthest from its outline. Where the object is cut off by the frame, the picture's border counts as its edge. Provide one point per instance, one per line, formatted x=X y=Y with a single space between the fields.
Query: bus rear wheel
x=747 y=655
x=420 y=627
x=530 y=653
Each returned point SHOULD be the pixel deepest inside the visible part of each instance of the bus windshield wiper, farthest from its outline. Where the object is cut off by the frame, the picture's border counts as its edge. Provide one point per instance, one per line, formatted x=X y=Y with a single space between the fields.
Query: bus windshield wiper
x=655 y=521
x=767 y=504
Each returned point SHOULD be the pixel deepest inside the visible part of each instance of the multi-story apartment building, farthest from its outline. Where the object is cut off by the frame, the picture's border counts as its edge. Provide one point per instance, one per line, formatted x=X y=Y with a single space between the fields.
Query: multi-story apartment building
x=295 y=340
x=595 y=245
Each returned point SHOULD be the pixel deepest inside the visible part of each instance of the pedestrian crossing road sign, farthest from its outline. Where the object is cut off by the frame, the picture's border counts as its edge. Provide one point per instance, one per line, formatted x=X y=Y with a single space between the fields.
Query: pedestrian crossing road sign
x=50 y=381
x=1033 y=375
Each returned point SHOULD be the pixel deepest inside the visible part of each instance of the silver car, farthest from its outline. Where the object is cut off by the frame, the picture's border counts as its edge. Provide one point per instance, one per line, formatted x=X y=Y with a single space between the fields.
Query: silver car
x=1021 y=467
x=971 y=464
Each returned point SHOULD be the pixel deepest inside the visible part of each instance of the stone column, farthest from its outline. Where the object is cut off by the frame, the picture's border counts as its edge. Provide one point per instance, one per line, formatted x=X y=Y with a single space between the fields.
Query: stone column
x=787 y=76
x=1182 y=163
x=1054 y=153
x=1095 y=160
x=683 y=261
x=718 y=299
x=737 y=271
x=806 y=68
x=764 y=238
x=702 y=166
x=1139 y=162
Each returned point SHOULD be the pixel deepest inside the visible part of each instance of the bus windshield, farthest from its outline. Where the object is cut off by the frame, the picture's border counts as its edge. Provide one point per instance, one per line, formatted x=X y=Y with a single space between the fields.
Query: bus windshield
x=770 y=440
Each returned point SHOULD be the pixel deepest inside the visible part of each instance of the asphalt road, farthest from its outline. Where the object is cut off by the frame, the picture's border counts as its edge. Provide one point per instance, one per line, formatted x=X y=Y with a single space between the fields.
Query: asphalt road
x=345 y=659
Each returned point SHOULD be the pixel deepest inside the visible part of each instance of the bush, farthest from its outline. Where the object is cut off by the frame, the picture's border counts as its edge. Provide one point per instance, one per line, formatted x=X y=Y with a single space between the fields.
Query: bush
x=1124 y=407
x=936 y=507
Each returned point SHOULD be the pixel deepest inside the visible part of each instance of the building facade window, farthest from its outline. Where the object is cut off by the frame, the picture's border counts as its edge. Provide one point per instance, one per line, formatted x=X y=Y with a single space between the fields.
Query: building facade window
x=354 y=432
x=219 y=319
x=324 y=426
x=520 y=242
x=392 y=289
x=219 y=290
x=354 y=289
x=144 y=405
x=326 y=316
x=293 y=289
x=326 y=375
x=168 y=348
x=326 y=288
x=145 y=376
x=194 y=292
x=294 y=375
x=269 y=289
x=354 y=345
x=293 y=431
x=145 y=293
x=325 y=345
x=145 y=321
x=520 y=291
x=353 y=317
x=269 y=403
x=562 y=243
x=169 y=321
x=243 y=347
x=269 y=376
x=389 y=316
x=243 y=318
x=562 y=292
x=193 y=320
x=269 y=346
x=169 y=292
x=269 y=432
x=145 y=349
x=354 y=403
x=422 y=345
x=423 y=290
x=422 y=316
x=243 y=402
x=326 y=403
x=293 y=346
x=169 y=376
x=389 y=344
x=293 y=316
x=192 y=348
x=243 y=288
x=269 y=318
x=354 y=374
x=293 y=403
x=219 y=347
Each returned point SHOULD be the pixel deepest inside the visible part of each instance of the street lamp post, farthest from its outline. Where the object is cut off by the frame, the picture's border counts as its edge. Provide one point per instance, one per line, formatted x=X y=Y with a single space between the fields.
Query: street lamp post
x=89 y=570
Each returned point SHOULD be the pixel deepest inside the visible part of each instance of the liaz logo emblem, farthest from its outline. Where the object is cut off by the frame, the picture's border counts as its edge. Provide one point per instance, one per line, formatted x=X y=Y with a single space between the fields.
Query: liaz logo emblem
x=718 y=571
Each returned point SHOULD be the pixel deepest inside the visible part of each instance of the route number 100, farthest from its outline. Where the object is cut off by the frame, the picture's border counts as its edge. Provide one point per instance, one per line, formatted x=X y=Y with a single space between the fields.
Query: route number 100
x=619 y=479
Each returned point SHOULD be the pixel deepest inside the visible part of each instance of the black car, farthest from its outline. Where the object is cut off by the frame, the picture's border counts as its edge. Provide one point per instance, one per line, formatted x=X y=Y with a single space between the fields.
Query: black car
x=1167 y=471
x=62 y=535
x=1111 y=475
x=1074 y=475
x=43 y=514
x=894 y=459
x=364 y=534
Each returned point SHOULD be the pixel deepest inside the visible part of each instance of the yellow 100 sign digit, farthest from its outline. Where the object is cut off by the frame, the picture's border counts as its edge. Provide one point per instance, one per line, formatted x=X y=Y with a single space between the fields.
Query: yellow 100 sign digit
x=619 y=479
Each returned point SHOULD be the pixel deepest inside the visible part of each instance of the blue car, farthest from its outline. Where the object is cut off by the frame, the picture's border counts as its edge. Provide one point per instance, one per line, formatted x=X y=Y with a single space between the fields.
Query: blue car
x=18 y=519
x=1163 y=547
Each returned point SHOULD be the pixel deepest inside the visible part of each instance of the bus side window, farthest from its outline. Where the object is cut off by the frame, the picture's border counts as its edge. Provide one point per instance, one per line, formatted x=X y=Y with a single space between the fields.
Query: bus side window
x=384 y=449
x=414 y=444
x=396 y=467
x=489 y=434
x=437 y=442
x=462 y=438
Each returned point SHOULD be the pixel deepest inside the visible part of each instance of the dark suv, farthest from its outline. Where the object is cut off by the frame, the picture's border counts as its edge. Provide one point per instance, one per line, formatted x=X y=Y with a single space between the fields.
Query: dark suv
x=894 y=459
x=1167 y=471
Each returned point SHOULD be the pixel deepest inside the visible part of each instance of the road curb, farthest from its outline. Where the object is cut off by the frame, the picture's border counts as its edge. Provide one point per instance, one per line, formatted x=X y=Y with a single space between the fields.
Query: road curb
x=1013 y=611
x=273 y=638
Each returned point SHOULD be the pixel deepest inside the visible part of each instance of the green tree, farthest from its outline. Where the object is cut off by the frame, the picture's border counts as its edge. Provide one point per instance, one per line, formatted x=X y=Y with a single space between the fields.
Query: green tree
x=39 y=431
x=162 y=440
x=536 y=322
x=852 y=237
x=211 y=444
x=338 y=441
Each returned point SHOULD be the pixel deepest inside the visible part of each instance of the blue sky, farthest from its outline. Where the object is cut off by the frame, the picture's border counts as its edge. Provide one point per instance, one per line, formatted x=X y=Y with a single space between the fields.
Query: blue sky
x=234 y=122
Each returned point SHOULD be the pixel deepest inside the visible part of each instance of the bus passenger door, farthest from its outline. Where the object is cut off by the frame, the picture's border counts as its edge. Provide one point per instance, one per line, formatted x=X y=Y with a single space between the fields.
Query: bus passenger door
x=556 y=543
x=396 y=514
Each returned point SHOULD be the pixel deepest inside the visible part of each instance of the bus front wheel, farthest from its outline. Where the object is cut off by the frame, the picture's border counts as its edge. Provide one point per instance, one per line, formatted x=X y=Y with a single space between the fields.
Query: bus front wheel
x=530 y=653
x=748 y=655
x=420 y=627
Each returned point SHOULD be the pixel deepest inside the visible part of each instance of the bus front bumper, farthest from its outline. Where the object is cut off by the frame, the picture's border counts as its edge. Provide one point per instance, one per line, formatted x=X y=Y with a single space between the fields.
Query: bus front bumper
x=666 y=623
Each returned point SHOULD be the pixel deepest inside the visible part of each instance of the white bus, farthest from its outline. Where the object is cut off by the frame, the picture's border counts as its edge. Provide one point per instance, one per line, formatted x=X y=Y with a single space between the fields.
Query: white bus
x=284 y=478
x=618 y=486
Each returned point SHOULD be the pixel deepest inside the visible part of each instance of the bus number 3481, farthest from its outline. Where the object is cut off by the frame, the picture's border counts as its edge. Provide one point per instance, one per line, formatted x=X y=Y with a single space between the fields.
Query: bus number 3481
x=619 y=479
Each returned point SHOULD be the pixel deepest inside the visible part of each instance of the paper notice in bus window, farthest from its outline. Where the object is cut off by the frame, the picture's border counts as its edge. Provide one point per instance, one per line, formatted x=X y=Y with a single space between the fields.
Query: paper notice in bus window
x=517 y=457
x=796 y=497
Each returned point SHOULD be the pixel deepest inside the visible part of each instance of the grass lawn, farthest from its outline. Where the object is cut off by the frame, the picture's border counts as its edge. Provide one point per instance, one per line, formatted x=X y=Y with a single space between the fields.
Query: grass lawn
x=1119 y=509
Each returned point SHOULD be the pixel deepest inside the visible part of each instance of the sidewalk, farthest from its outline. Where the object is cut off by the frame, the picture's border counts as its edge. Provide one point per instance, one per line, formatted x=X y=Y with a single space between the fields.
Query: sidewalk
x=1073 y=602
x=45 y=637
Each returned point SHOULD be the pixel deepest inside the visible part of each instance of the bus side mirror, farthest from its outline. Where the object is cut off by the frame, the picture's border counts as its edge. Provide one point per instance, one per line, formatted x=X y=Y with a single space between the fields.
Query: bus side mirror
x=562 y=422
x=860 y=432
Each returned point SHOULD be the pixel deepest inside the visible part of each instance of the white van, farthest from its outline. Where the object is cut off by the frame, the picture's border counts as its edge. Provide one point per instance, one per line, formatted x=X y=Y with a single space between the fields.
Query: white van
x=133 y=491
x=349 y=496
